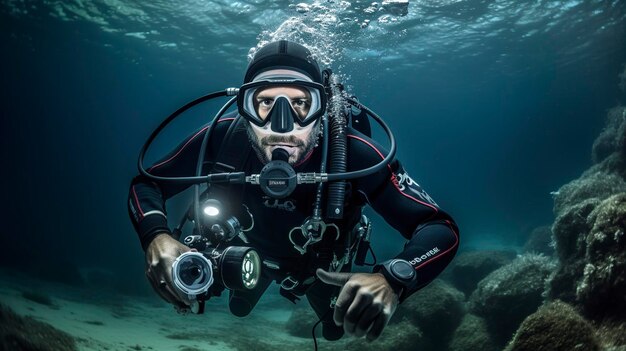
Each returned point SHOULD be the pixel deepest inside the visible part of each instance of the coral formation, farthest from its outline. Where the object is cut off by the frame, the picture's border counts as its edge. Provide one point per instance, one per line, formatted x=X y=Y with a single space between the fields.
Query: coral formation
x=556 y=327
x=436 y=309
x=509 y=294
x=24 y=333
x=468 y=268
x=540 y=241
x=472 y=334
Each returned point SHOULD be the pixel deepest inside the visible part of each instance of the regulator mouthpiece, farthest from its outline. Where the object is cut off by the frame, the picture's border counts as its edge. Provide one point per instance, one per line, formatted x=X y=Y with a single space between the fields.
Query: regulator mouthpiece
x=278 y=179
x=280 y=154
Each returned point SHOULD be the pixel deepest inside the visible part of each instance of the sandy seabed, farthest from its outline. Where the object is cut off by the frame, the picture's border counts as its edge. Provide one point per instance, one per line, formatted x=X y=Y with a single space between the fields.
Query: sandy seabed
x=107 y=321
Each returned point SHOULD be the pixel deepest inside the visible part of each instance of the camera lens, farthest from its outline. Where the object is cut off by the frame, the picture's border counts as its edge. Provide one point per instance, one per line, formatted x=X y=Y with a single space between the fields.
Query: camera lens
x=192 y=273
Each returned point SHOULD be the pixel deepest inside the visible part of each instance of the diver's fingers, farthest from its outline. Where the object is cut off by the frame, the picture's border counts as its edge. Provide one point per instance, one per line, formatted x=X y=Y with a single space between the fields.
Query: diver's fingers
x=181 y=300
x=344 y=300
x=368 y=317
x=377 y=327
x=379 y=323
x=333 y=278
x=361 y=302
x=159 y=289
x=169 y=286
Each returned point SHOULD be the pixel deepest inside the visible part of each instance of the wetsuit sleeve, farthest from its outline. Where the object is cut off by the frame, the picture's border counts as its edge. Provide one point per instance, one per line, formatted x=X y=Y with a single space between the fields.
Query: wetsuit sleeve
x=431 y=233
x=146 y=199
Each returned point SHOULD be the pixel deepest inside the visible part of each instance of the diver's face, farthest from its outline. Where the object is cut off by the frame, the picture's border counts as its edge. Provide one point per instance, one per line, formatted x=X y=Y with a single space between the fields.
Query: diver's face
x=299 y=99
x=299 y=141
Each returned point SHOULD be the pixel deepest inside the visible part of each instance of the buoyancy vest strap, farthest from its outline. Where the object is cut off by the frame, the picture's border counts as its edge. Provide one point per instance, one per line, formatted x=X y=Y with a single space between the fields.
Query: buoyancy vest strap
x=231 y=157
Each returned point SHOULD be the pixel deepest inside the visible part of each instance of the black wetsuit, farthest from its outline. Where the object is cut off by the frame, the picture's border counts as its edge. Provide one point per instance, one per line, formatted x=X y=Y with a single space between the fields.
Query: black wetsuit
x=431 y=233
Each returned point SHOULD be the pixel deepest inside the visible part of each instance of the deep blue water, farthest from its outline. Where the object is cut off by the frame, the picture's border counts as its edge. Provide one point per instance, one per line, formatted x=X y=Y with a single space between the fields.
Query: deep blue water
x=494 y=105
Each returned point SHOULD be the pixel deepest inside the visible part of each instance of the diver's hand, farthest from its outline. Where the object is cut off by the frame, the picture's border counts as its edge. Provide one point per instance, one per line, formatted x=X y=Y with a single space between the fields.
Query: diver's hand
x=365 y=304
x=161 y=253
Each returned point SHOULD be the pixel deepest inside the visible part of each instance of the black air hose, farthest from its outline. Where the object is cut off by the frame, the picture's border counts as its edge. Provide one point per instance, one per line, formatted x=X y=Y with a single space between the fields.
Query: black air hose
x=337 y=150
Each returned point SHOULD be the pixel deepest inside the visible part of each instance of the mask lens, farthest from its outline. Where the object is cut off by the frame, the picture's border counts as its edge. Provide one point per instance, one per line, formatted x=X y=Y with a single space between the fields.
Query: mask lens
x=258 y=101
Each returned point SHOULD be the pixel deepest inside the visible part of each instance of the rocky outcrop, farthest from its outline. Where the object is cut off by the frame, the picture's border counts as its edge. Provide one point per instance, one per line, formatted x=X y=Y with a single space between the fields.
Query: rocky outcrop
x=402 y=336
x=472 y=334
x=540 y=241
x=602 y=289
x=436 y=310
x=556 y=327
x=506 y=296
x=589 y=229
x=470 y=267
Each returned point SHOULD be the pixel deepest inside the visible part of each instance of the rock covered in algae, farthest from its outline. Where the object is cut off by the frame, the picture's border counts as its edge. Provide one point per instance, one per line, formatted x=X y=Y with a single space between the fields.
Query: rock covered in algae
x=569 y=231
x=602 y=289
x=436 y=309
x=468 y=268
x=591 y=247
x=589 y=229
x=612 y=335
x=25 y=334
x=591 y=185
x=472 y=334
x=540 y=241
x=402 y=336
x=509 y=294
x=555 y=327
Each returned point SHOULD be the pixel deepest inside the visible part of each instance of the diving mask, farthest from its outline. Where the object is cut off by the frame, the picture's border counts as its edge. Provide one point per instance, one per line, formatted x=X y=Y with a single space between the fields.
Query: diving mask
x=282 y=102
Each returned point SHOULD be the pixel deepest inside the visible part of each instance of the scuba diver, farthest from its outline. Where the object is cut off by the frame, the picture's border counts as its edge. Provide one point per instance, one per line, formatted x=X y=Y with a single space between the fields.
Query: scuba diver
x=287 y=176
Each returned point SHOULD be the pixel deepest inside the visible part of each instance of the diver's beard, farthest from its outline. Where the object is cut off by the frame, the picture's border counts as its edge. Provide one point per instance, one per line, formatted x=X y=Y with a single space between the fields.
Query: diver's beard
x=262 y=146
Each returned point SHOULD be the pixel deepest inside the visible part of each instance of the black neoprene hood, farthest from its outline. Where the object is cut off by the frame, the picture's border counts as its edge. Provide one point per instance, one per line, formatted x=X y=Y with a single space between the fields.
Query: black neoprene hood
x=283 y=54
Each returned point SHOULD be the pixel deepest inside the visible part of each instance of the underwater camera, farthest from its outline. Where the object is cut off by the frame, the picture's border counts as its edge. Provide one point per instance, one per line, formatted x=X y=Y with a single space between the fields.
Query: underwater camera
x=234 y=267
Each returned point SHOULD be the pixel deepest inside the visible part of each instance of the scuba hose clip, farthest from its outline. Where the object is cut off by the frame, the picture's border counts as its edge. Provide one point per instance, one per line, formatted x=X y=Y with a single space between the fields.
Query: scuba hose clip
x=232 y=91
x=312 y=178
x=289 y=283
x=313 y=230
x=363 y=231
